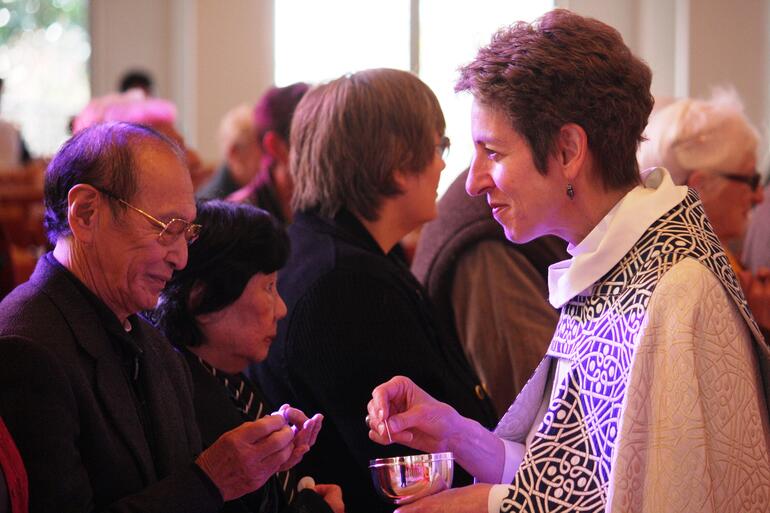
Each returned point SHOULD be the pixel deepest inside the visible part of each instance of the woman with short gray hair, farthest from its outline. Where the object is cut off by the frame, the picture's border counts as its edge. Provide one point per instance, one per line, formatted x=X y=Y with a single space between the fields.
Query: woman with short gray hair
x=366 y=156
x=711 y=146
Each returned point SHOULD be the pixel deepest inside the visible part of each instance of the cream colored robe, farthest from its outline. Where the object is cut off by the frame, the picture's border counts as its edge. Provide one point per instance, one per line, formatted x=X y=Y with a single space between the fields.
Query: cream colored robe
x=661 y=407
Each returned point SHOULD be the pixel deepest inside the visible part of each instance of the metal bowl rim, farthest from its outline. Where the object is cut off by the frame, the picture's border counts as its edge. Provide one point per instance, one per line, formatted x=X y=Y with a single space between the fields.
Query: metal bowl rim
x=415 y=458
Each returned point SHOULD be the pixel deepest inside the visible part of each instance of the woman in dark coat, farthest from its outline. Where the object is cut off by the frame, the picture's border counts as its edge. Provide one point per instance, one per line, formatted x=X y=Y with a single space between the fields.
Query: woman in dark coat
x=221 y=312
x=366 y=156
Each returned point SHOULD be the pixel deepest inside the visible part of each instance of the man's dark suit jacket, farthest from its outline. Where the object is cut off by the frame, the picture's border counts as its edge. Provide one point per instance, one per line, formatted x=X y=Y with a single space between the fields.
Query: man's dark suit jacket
x=68 y=404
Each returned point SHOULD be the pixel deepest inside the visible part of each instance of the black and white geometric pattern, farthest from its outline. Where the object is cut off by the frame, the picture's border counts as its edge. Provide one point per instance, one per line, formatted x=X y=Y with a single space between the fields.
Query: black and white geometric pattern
x=567 y=466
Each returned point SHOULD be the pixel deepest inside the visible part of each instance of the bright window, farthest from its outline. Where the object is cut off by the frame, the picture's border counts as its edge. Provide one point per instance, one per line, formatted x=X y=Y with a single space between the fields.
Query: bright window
x=44 y=51
x=449 y=38
x=321 y=40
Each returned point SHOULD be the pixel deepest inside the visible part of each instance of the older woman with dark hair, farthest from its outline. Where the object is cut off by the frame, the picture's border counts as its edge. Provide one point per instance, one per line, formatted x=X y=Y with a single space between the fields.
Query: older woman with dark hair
x=221 y=312
x=650 y=393
x=366 y=156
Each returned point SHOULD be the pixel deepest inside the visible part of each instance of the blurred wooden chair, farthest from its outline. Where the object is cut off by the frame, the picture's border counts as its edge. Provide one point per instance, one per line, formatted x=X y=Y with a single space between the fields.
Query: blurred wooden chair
x=21 y=216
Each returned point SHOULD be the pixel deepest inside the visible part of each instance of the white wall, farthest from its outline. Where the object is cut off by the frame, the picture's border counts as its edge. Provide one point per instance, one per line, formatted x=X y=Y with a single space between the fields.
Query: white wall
x=693 y=46
x=728 y=42
x=234 y=61
x=130 y=34
x=209 y=55
x=205 y=55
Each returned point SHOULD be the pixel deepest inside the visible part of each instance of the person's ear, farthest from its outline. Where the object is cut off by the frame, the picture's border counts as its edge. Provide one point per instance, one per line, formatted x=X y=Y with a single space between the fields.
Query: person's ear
x=276 y=146
x=194 y=298
x=83 y=206
x=571 y=150
x=401 y=179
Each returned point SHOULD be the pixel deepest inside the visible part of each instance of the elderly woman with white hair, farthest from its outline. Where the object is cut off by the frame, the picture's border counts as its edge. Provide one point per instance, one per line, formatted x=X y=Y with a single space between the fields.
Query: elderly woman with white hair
x=711 y=146
x=240 y=153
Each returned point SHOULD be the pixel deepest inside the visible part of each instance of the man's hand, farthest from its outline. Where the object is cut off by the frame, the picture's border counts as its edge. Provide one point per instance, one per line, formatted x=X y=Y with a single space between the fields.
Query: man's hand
x=243 y=459
x=305 y=432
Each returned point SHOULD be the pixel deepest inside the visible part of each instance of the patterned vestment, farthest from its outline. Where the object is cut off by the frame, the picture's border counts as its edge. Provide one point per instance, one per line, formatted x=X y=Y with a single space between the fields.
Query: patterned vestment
x=571 y=463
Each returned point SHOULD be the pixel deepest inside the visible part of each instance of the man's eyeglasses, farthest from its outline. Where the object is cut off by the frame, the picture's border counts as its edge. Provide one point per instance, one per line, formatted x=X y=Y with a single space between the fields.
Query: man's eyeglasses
x=750 y=180
x=169 y=232
x=442 y=148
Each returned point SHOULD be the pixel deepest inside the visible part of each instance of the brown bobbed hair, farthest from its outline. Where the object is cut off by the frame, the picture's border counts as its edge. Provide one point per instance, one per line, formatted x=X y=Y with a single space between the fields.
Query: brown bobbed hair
x=564 y=68
x=350 y=135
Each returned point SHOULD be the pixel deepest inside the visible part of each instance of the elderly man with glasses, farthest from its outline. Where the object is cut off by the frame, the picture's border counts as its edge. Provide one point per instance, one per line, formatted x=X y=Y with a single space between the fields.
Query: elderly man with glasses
x=99 y=404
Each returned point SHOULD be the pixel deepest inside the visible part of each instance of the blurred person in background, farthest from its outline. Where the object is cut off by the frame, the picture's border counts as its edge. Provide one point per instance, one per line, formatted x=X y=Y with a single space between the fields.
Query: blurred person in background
x=137 y=79
x=756 y=245
x=13 y=150
x=240 y=151
x=271 y=188
x=711 y=146
x=134 y=106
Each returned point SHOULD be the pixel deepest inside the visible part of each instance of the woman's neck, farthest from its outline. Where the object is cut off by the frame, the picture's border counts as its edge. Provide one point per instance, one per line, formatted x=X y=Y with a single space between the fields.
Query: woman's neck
x=387 y=230
x=588 y=211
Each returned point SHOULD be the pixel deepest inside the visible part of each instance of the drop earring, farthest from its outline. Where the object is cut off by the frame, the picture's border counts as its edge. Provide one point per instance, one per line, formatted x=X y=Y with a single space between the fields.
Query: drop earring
x=570 y=191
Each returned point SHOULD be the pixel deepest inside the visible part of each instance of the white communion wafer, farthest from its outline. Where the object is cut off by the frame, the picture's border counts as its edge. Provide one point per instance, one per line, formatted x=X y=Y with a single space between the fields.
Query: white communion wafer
x=306 y=482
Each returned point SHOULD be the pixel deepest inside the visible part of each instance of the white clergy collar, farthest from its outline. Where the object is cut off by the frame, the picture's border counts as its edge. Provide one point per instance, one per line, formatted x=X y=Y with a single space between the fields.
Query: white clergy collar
x=614 y=236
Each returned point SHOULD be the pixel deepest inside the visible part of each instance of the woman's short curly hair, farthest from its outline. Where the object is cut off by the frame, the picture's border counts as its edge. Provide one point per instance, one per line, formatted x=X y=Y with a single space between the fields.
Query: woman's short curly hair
x=565 y=68
x=237 y=242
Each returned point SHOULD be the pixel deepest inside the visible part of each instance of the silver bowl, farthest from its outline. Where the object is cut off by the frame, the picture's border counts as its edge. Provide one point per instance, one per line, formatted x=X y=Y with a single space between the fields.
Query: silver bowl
x=405 y=479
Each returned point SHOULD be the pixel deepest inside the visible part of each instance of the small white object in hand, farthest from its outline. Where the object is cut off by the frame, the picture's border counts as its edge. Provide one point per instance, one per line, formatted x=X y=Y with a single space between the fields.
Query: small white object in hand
x=387 y=430
x=306 y=482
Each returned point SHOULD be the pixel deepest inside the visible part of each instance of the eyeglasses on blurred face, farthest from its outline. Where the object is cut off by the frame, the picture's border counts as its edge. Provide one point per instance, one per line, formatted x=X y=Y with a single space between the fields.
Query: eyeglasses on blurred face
x=442 y=148
x=169 y=232
x=750 y=180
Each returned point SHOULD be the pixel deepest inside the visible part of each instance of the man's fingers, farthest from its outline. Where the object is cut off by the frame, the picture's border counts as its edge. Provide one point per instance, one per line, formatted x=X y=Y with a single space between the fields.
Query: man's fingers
x=308 y=432
x=252 y=432
x=292 y=415
x=313 y=425
x=276 y=459
x=275 y=442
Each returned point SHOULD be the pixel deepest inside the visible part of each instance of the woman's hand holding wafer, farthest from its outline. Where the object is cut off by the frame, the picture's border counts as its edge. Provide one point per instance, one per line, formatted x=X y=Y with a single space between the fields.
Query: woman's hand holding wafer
x=401 y=412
